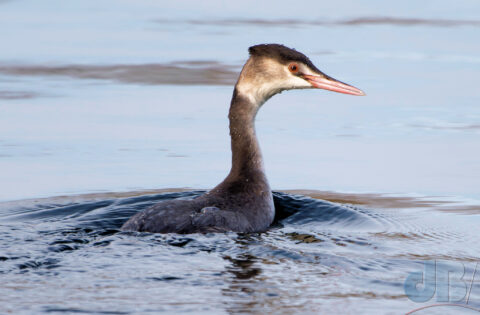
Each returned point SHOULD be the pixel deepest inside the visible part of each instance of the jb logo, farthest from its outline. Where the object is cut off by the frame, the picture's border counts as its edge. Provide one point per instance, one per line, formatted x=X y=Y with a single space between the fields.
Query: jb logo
x=439 y=278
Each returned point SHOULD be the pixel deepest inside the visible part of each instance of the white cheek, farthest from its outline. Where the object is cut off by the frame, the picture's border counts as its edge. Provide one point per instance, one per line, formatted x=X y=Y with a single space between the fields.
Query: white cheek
x=268 y=89
x=259 y=92
x=299 y=83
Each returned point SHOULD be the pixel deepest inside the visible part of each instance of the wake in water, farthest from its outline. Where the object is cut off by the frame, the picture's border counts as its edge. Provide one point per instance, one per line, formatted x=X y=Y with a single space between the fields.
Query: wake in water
x=316 y=253
x=291 y=210
x=52 y=227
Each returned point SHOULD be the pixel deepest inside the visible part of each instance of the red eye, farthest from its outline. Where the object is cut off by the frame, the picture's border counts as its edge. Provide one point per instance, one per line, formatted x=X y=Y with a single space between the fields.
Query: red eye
x=293 y=67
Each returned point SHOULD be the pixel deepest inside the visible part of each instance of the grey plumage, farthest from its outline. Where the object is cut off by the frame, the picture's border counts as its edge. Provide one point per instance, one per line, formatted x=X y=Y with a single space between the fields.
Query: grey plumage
x=243 y=202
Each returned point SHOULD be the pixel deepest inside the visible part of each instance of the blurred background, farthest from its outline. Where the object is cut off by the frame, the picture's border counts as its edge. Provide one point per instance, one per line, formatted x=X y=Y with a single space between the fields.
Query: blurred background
x=121 y=96
x=102 y=96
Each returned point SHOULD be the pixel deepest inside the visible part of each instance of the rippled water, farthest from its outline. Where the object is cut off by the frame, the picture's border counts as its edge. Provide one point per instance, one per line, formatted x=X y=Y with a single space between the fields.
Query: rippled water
x=132 y=97
x=67 y=255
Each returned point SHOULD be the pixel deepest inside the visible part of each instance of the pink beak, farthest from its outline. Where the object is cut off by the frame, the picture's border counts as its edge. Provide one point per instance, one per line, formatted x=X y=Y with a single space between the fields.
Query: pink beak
x=327 y=83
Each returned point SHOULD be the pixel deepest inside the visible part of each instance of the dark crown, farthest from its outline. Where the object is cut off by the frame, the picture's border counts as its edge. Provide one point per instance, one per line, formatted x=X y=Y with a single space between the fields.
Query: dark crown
x=281 y=53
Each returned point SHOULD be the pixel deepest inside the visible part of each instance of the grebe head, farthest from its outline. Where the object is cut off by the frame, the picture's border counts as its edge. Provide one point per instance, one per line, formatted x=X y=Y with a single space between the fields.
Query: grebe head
x=273 y=68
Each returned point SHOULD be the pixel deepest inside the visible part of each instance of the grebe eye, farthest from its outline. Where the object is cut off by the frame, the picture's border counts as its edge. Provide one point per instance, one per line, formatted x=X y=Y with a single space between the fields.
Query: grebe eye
x=293 y=67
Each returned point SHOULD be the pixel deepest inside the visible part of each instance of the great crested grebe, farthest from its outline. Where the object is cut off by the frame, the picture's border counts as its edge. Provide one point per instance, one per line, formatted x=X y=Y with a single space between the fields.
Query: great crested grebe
x=243 y=202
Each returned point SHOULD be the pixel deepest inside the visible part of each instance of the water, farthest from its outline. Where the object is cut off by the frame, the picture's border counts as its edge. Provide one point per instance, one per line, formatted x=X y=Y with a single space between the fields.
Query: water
x=132 y=97
x=67 y=255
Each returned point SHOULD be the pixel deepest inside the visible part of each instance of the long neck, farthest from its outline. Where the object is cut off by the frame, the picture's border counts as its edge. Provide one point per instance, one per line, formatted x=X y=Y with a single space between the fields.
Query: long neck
x=246 y=156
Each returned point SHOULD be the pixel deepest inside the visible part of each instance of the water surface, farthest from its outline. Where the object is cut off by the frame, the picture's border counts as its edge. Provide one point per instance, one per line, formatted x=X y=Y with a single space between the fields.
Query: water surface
x=67 y=255
x=140 y=94
x=132 y=97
